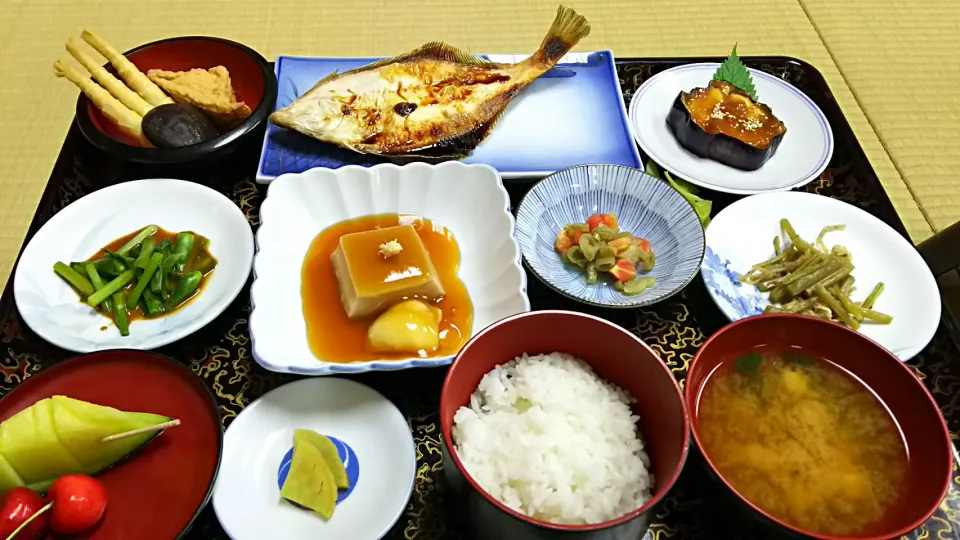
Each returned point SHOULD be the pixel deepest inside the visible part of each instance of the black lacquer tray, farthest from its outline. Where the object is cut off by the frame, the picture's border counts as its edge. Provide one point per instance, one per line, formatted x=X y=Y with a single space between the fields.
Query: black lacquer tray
x=220 y=353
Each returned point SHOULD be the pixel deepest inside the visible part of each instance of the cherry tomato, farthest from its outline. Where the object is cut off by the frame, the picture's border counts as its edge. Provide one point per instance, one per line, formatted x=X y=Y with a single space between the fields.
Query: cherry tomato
x=643 y=244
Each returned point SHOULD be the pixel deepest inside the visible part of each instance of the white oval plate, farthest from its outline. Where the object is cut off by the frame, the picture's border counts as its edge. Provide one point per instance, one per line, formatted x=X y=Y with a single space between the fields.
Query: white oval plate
x=803 y=154
x=741 y=235
x=381 y=462
x=53 y=310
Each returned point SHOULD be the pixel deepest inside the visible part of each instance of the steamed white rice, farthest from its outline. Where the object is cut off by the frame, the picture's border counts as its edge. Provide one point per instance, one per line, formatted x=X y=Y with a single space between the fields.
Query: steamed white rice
x=549 y=438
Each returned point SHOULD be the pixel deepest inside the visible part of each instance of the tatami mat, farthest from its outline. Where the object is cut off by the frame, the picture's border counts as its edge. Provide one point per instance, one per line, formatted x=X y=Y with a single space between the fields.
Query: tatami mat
x=909 y=95
x=36 y=109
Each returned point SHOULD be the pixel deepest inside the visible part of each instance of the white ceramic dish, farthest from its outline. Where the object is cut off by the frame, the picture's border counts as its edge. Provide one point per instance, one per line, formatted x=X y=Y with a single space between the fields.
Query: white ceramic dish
x=469 y=200
x=368 y=430
x=741 y=235
x=54 y=311
x=803 y=154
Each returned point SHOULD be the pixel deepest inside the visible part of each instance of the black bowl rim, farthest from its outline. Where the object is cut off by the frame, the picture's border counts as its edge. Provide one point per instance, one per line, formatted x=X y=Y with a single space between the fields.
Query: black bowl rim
x=212 y=402
x=168 y=156
x=639 y=304
x=558 y=527
x=688 y=394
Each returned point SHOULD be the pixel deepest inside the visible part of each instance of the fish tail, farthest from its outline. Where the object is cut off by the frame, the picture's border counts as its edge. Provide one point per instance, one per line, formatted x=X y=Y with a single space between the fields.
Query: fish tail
x=568 y=28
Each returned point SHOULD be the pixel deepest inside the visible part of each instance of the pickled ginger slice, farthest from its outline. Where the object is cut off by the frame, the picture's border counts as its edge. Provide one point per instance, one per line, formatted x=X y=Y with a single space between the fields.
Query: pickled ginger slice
x=309 y=482
x=329 y=452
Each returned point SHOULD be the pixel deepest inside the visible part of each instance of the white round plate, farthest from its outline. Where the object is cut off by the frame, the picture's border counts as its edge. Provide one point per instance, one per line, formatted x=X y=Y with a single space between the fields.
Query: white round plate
x=370 y=432
x=53 y=310
x=741 y=235
x=803 y=154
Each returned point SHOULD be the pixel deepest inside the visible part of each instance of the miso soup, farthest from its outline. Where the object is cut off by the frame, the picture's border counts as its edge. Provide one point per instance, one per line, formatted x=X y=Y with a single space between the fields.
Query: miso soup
x=804 y=440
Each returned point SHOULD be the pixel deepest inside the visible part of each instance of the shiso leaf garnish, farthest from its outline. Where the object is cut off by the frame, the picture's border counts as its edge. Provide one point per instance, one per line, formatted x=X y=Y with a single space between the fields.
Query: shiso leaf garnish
x=734 y=72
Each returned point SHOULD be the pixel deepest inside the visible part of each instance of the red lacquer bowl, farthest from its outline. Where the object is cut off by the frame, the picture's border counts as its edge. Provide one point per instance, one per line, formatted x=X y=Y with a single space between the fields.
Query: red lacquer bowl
x=912 y=406
x=157 y=492
x=251 y=75
x=616 y=355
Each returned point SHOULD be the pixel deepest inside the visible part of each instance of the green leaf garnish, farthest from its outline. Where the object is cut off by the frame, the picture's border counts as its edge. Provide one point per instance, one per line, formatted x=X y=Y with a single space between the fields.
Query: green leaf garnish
x=734 y=72
x=748 y=363
x=687 y=190
x=799 y=359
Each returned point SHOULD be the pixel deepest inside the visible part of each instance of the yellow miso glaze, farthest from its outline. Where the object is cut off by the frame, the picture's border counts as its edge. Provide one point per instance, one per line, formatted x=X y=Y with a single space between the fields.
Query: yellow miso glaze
x=334 y=337
x=804 y=441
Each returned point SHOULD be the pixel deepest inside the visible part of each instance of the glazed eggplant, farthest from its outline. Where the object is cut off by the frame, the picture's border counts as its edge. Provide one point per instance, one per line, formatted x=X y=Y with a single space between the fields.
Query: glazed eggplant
x=721 y=122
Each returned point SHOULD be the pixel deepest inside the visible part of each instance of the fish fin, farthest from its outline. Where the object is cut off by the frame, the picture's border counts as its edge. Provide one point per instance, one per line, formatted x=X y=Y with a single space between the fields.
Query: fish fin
x=335 y=75
x=567 y=30
x=435 y=50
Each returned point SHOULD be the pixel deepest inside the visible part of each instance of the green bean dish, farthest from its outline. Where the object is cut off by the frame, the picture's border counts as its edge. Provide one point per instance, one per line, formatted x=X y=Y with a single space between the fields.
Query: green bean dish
x=807 y=278
x=146 y=274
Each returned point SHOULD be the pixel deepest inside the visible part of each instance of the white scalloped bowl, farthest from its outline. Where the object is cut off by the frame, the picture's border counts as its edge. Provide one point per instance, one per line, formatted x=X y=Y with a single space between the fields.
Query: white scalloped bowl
x=469 y=200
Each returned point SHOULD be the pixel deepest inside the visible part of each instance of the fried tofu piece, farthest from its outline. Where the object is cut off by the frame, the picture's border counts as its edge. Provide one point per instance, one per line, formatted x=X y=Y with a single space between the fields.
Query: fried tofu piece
x=209 y=90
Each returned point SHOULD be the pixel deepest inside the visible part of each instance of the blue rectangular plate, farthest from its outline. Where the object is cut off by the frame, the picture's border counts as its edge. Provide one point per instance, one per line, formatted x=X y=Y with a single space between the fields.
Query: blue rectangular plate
x=572 y=115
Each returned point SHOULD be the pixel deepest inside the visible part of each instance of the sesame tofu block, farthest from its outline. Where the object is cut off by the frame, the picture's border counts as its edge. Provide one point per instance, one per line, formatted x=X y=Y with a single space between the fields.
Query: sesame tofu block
x=379 y=268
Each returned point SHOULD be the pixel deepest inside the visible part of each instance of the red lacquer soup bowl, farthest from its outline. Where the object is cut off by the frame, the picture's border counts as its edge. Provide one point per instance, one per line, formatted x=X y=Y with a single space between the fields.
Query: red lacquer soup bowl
x=158 y=491
x=922 y=425
x=253 y=82
x=615 y=355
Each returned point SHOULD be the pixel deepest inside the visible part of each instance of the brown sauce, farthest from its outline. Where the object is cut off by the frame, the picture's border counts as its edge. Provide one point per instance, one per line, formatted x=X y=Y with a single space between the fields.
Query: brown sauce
x=198 y=255
x=722 y=108
x=334 y=337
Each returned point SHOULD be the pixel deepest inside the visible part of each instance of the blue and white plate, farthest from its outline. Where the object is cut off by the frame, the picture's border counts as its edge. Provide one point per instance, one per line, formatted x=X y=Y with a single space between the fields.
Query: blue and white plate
x=803 y=154
x=644 y=205
x=374 y=443
x=741 y=235
x=573 y=114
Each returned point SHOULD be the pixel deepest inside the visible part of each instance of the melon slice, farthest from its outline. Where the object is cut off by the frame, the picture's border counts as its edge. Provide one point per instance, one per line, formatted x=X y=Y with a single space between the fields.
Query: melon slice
x=61 y=435
x=309 y=482
x=9 y=478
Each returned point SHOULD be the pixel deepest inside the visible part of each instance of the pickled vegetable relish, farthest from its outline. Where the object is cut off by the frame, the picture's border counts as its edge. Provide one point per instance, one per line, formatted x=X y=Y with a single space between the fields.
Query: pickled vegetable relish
x=598 y=247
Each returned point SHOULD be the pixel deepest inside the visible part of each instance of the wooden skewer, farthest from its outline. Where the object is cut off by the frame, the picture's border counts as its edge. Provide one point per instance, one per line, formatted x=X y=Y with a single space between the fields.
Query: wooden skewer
x=148 y=429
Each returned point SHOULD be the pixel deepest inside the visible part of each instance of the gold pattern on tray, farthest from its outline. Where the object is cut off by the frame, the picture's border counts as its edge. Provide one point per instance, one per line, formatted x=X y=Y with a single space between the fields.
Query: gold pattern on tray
x=220 y=353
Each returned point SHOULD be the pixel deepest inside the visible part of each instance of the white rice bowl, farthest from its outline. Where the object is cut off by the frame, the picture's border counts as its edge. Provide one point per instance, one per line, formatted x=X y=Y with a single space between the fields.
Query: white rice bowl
x=550 y=439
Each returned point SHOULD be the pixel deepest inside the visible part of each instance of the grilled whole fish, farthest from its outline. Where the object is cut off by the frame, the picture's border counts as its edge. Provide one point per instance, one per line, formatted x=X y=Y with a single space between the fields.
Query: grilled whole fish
x=433 y=102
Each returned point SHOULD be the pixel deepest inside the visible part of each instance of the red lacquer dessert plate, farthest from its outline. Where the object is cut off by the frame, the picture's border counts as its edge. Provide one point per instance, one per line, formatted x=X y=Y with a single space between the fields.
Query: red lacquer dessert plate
x=155 y=493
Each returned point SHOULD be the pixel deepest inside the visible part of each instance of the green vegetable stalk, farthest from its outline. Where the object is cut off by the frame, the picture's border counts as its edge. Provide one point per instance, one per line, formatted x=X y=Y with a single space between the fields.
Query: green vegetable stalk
x=702 y=207
x=74 y=278
x=187 y=285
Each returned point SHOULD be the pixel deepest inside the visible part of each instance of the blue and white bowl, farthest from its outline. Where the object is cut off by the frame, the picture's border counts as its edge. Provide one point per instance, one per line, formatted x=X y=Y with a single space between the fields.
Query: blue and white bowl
x=644 y=205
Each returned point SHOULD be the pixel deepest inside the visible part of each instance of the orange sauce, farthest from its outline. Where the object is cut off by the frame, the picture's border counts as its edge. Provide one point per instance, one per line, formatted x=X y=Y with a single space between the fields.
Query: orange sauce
x=334 y=337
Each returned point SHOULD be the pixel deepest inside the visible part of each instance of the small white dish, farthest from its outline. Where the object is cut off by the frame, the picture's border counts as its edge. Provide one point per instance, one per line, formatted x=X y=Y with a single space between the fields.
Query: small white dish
x=741 y=235
x=368 y=430
x=53 y=310
x=469 y=200
x=803 y=154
